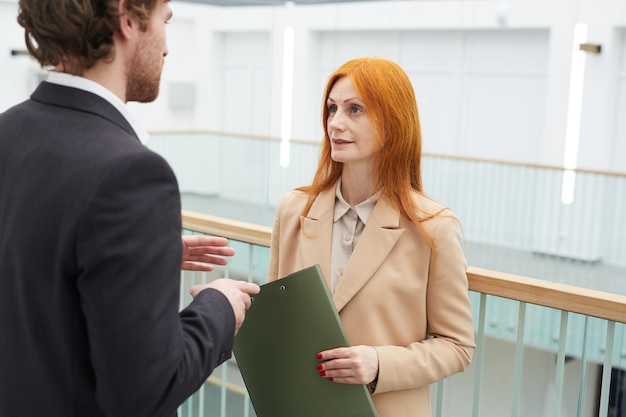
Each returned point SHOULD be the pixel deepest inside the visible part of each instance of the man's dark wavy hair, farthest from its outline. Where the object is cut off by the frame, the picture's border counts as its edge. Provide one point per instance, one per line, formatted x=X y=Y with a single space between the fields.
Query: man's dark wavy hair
x=75 y=33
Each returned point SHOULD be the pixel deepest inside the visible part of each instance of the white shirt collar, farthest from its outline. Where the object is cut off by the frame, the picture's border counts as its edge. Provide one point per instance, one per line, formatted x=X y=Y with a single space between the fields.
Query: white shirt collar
x=363 y=210
x=82 y=83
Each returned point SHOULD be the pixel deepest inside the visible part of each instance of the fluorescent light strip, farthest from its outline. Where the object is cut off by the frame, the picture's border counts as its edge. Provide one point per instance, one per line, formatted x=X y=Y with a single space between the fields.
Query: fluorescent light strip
x=574 y=109
x=285 y=128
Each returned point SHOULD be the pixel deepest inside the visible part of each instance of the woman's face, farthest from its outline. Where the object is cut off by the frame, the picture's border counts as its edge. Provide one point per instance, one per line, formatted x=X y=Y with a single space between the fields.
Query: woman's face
x=352 y=137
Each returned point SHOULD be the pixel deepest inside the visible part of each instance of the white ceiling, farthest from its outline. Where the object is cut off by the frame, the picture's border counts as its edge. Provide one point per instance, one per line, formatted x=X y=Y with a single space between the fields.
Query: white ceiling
x=234 y=3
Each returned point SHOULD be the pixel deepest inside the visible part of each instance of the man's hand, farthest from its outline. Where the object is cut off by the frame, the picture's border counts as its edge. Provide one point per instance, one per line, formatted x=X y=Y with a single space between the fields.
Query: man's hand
x=200 y=253
x=237 y=292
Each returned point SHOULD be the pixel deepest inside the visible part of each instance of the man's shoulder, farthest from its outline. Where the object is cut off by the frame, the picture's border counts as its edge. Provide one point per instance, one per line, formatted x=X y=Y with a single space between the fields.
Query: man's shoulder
x=71 y=103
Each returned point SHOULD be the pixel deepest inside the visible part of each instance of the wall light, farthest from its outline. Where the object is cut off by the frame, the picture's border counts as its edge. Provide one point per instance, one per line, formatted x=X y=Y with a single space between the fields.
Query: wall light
x=574 y=108
x=287 y=100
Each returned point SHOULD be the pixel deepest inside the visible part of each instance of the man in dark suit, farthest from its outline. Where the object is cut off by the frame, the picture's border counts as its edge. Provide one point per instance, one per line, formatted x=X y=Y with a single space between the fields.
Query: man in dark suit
x=90 y=230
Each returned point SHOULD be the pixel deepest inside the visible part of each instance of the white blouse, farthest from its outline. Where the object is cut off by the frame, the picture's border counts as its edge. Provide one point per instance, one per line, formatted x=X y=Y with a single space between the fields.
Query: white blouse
x=348 y=225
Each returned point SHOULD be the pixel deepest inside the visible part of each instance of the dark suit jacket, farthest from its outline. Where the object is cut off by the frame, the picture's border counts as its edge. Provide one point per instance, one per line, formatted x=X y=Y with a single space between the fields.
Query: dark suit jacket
x=90 y=256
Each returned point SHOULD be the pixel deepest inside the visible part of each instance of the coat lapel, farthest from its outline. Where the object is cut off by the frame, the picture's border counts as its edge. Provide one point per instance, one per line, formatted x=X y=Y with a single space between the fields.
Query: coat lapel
x=381 y=233
x=318 y=227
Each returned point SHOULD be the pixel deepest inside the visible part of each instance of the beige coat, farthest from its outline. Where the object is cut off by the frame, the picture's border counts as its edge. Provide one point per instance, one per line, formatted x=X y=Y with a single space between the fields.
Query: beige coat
x=391 y=296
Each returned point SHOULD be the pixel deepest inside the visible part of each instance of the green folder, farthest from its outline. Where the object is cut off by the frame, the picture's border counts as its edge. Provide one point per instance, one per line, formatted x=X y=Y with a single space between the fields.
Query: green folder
x=289 y=322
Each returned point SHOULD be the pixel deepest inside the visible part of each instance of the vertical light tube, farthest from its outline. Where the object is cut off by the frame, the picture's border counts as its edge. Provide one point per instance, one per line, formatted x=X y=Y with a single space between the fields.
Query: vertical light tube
x=287 y=101
x=574 y=109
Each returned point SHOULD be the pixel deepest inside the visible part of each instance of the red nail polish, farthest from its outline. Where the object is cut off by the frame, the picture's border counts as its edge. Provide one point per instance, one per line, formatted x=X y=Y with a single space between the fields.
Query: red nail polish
x=322 y=373
x=330 y=379
x=319 y=356
x=319 y=367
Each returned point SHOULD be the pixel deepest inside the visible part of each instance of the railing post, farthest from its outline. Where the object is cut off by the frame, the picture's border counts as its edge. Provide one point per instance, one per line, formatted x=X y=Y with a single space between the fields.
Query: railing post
x=607 y=369
x=478 y=356
x=519 y=358
x=560 y=366
x=583 y=371
x=439 y=400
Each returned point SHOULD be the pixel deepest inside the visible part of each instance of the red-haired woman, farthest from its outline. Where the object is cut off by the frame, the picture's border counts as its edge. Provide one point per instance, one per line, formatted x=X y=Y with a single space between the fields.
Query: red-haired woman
x=391 y=256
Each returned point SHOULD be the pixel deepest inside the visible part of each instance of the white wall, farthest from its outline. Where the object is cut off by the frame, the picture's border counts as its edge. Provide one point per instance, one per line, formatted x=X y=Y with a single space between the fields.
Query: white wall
x=491 y=77
x=19 y=73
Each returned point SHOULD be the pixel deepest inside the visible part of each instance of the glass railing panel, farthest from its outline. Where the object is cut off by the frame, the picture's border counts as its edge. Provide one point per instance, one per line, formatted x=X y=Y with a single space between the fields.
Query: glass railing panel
x=512 y=214
x=503 y=379
x=543 y=329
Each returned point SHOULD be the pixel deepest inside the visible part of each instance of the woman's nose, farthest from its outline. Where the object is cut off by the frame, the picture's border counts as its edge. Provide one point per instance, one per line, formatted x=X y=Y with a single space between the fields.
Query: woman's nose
x=336 y=121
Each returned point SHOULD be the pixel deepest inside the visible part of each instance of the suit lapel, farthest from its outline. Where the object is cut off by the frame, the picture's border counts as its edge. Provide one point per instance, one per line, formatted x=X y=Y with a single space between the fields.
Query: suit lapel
x=318 y=227
x=380 y=235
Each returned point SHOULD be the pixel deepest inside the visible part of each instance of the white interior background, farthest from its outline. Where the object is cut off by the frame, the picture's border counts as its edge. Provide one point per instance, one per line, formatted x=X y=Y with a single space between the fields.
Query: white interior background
x=491 y=80
x=491 y=77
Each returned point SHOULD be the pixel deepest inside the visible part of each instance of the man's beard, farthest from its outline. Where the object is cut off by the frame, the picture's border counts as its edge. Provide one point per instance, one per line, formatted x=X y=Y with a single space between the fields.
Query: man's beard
x=144 y=78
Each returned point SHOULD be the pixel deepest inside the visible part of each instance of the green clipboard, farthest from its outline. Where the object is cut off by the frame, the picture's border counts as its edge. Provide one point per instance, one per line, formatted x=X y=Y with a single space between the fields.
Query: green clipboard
x=289 y=322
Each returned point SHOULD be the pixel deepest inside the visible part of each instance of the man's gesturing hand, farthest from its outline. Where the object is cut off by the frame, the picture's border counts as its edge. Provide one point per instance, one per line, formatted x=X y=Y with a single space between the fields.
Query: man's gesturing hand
x=237 y=292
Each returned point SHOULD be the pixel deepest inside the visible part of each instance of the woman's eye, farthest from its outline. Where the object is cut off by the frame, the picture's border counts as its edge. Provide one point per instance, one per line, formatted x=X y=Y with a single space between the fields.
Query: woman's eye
x=332 y=108
x=355 y=109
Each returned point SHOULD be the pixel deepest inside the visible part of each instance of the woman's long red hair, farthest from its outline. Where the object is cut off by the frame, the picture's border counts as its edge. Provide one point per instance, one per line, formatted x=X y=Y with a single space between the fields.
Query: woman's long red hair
x=390 y=103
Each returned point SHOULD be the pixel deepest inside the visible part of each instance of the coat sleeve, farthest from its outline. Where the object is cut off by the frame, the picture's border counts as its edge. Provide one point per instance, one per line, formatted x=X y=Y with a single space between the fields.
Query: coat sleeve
x=147 y=357
x=449 y=345
x=284 y=246
x=272 y=273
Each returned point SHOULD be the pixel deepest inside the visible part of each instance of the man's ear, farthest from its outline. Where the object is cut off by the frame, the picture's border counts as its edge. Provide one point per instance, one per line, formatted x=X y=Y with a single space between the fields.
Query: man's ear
x=126 y=22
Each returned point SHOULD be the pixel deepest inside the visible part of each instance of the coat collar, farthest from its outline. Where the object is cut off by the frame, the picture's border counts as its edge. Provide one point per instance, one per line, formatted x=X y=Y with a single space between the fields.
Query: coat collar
x=81 y=100
x=380 y=235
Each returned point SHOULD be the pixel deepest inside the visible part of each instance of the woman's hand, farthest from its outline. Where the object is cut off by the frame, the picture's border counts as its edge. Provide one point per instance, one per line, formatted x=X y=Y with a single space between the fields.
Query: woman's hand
x=349 y=365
